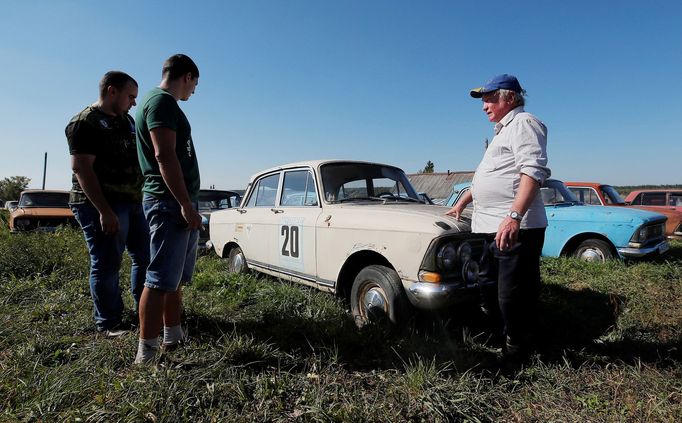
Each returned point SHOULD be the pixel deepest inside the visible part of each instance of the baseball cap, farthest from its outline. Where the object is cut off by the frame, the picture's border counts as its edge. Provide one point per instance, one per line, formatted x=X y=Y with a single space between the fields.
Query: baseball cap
x=500 y=82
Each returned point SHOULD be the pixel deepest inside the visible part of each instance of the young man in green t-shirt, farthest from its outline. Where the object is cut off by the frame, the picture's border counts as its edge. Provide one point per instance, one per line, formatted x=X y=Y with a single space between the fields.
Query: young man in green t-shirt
x=171 y=188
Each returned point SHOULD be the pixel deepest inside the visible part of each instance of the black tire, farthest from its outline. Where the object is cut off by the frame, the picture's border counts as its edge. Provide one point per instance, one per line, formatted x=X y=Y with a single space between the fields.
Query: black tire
x=594 y=250
x=382 y=286
x=236 y=262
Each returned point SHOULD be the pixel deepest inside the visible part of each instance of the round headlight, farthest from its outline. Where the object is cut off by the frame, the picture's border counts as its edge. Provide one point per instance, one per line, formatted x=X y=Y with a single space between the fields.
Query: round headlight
x=464 y=252
x=470 y=272
x=643 y=233
x=447 y=256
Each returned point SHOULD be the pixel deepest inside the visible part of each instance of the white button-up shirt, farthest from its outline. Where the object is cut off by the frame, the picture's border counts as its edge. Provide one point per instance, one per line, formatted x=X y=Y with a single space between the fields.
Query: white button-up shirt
x=519 y=146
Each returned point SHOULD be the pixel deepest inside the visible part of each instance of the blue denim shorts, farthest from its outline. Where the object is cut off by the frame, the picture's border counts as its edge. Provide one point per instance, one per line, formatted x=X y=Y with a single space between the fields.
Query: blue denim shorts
x=173 y=247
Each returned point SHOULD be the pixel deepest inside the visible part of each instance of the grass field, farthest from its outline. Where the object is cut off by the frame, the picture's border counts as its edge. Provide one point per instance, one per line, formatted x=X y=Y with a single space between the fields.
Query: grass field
x=265 y=350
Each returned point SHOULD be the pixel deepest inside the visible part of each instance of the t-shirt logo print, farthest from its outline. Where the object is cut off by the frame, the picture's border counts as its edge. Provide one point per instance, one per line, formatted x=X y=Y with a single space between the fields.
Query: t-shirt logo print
x=189 y=147
x=104 y=123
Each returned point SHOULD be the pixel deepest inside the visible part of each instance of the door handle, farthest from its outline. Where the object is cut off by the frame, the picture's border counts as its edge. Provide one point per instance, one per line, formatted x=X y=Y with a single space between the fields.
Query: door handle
x=276 y=211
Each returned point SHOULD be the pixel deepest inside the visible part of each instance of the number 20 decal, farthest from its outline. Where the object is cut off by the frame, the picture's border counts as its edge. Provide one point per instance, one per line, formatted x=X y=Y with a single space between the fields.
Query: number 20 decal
x=290 y=234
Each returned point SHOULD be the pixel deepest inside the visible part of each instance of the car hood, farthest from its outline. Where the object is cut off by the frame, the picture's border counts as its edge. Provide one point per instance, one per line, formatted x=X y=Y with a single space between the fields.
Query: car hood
x=407 y=217
x=575 y=212
x=42 y=212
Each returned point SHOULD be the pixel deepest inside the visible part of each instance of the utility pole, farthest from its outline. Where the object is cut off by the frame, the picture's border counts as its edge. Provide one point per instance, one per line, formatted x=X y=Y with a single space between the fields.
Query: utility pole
x=44 y=169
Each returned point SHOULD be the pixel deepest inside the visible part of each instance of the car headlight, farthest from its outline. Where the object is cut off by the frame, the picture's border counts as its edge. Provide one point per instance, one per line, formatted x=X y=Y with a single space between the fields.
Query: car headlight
x=464 y=252
x=647 y=232
x=446 y=259
x=470 y=271
x=22 y=223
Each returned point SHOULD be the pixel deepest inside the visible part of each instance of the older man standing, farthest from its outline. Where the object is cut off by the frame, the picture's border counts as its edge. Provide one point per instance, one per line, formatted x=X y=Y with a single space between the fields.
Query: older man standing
x=508 y=209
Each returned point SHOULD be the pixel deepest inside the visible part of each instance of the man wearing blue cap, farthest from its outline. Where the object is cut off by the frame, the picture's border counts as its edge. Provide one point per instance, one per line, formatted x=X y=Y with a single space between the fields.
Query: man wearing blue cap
x=508 y=209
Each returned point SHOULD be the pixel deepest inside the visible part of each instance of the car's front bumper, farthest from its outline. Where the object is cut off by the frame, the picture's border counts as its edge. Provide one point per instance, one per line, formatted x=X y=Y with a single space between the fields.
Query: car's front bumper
x=433 y=296
x=657 y=249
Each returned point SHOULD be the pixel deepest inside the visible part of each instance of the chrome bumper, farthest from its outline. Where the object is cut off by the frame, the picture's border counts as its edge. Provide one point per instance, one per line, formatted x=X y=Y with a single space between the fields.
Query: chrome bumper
x=659 y=248
x=433 y=296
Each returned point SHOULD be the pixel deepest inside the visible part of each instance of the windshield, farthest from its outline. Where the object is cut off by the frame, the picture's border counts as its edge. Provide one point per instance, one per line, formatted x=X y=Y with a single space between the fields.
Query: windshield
x=555 y=192
x=44 y=199
x=611 y=195
x=365 y=181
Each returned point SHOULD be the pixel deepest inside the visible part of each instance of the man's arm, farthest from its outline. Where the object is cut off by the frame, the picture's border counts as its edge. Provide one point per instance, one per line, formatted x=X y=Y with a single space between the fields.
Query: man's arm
x=508 y=231
x=163 y=140
x=461 y=204
x=83 y=167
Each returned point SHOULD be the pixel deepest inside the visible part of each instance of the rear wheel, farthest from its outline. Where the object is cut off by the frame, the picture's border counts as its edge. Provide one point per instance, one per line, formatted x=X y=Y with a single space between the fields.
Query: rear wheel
x=236 y=262
x=593 y=250
x=377 y=295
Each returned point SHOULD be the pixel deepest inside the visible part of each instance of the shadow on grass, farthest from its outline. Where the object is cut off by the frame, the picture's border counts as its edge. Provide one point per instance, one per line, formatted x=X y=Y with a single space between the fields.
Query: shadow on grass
x=573 y=326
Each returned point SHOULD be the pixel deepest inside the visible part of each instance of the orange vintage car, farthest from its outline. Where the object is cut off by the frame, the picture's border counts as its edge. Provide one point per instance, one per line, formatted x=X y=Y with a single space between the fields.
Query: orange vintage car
x=42 y=210
x=605 y=195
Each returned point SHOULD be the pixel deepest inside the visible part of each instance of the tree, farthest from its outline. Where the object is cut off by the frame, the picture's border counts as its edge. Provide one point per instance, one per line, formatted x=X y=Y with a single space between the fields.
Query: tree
x=428 y=168
x=11 y=187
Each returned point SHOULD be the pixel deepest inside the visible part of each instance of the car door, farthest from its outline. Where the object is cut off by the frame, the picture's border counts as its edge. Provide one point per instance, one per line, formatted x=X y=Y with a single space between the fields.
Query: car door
x=297 y=212
x=256 y=235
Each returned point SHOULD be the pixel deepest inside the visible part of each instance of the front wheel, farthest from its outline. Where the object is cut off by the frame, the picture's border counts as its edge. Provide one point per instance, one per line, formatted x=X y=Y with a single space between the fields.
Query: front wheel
x=236 y=262
x=377 y=295
x=593 y=250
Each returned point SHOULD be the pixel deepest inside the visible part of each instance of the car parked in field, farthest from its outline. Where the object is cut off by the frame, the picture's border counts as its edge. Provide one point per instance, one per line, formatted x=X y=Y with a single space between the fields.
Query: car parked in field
x=356 y=229
x=670 y=198
x=593 y=233
x=42 y=210
x=652 y=200
x=211 y=200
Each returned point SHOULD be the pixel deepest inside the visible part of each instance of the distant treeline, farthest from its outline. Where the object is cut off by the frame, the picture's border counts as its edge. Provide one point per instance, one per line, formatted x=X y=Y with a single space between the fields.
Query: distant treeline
x=627 y=189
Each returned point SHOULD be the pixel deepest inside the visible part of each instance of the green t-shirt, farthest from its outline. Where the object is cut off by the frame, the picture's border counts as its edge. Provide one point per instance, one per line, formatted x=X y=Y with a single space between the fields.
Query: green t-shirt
x=111 y=139
x=159 y=109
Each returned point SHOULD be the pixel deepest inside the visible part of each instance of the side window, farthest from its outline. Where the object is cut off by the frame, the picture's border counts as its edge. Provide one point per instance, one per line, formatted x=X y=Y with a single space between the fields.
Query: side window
x=675 y=200
x=298 y=189
x=637 y=200
x=594 y=197
x=579 y=193
x=265 y=192
x=653 y=198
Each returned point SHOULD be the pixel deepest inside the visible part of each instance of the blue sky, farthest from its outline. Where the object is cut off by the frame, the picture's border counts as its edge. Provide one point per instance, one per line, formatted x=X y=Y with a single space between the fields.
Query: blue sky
x=385 y=81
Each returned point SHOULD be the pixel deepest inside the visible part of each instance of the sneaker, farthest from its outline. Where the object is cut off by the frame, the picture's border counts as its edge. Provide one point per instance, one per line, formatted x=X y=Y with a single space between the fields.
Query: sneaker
x=114 y=332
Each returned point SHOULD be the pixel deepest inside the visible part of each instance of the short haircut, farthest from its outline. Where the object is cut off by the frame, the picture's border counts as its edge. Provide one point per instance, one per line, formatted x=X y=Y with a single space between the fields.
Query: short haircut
x=519 y=97
x=116 y=79
x=177 y=66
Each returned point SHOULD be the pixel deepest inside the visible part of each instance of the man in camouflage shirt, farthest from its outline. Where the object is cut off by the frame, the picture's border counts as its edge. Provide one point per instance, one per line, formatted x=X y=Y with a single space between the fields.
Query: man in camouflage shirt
x=106 y=197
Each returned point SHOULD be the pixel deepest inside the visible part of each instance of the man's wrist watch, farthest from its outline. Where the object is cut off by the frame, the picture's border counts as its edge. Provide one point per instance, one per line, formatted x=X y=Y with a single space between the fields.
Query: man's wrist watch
x=515 y=215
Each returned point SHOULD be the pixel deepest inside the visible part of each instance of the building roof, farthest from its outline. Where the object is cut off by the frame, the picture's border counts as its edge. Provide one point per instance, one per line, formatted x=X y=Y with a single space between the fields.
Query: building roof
x=438 y=185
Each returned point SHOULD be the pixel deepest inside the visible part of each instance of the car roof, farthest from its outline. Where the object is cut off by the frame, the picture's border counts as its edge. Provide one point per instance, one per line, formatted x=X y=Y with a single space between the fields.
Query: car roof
x=53 y=191
x=314 y=164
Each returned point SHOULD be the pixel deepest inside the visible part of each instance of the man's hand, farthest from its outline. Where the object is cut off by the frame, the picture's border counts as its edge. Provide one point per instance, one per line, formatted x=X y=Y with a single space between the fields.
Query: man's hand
x=191 y=216
x=456 y=210
x=507 y=233
x=109 y=222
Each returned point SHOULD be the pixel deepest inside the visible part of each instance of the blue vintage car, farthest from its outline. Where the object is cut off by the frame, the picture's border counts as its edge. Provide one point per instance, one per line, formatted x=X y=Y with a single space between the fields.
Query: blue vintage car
x=592 y=233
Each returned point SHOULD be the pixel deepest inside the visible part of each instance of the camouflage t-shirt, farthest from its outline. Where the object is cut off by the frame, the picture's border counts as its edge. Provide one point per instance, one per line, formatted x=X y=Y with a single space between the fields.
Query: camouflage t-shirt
x=111 y=139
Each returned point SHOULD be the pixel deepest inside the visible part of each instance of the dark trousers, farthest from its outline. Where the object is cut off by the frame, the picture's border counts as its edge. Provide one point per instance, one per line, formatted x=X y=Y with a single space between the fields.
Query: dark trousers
x=517 y=272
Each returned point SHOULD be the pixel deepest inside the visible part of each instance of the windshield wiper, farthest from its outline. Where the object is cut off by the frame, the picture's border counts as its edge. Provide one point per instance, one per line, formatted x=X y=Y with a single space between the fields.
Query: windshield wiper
x=345 y=200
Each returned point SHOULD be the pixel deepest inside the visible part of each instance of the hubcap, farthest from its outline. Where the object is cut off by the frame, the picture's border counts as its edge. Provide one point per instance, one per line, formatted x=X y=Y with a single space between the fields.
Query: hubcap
x=591 y=254
x=373 y=302
x=237 y=262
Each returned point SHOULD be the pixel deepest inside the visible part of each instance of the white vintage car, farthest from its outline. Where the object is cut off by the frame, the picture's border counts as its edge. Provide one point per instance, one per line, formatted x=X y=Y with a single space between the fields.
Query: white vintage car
x=356 y=229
